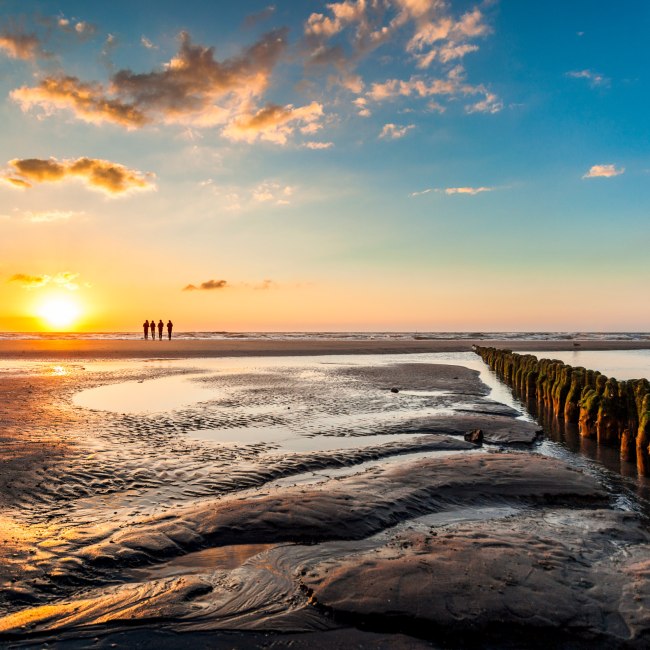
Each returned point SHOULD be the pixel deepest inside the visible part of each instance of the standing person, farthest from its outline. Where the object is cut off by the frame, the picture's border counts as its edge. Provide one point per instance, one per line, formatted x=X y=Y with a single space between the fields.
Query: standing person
x=152 y=327
x=145 y=325
x=160 y=329
x=170 y=325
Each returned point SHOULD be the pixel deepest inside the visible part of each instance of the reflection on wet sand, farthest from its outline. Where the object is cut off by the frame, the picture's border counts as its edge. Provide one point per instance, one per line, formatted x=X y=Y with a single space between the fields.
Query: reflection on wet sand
x=253 y=502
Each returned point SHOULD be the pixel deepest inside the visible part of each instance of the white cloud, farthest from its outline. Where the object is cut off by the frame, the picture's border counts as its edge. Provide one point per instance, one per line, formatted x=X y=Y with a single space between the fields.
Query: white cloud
x=273 y=192
x=395 y=131
x=489 y=104
x=147 y=43
x=594 y=78
x=604 y=171
x=452 y=86
x=318 y=145
x=421 y=193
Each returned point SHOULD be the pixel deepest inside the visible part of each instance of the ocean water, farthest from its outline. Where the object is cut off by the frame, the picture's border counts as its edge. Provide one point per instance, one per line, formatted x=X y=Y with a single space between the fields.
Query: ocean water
x=341 y=336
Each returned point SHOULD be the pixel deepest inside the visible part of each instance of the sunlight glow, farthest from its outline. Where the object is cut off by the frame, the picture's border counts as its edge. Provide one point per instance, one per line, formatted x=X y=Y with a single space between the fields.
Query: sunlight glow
x=59 y=312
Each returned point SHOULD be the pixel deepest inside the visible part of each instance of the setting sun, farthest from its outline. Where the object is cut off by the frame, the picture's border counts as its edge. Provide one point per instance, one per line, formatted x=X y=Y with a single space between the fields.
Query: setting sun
x=59 y=312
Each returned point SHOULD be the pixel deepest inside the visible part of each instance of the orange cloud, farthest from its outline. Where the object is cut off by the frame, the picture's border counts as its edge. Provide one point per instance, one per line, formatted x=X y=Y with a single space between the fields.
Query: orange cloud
x=21 y=46
x=88 y=101
x=104 y=175
x=208 y=285
x=64 y=280
x=274 y=123
x=604 y=171
x=467 y=190
x=192 y=88
x=452 y=85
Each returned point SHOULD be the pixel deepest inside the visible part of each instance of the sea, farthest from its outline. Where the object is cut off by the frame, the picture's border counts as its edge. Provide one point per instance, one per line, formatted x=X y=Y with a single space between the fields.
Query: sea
x=341 y=336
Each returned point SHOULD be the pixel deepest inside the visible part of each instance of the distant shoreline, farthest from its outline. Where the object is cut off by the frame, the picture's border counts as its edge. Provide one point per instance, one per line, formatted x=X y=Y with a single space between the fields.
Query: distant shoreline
x=175 y=349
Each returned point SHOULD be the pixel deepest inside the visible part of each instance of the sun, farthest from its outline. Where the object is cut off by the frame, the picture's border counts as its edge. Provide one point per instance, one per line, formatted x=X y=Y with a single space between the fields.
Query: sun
x=59 y=312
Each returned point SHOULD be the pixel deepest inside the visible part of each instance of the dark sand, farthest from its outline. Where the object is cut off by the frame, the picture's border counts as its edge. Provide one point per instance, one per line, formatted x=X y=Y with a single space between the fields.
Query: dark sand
x=135 y=529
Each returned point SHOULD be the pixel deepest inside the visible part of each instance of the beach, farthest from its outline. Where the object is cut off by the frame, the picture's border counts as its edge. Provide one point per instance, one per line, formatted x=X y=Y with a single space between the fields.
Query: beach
x=322 y=494
x=182 y=348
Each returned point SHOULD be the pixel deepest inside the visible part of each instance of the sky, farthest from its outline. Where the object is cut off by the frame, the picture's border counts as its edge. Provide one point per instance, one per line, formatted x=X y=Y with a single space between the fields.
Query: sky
x=365 y=165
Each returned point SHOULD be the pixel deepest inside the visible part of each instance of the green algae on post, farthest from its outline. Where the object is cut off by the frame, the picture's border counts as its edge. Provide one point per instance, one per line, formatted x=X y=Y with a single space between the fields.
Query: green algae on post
x=614 y=413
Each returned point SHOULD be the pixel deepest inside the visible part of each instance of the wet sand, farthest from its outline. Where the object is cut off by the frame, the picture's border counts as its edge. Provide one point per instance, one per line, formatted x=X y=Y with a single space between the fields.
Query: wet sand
x=302 y=503
x=75 y=349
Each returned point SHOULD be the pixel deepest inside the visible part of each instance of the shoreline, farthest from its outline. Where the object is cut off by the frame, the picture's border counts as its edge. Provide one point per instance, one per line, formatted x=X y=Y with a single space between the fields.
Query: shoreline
x=141 y=349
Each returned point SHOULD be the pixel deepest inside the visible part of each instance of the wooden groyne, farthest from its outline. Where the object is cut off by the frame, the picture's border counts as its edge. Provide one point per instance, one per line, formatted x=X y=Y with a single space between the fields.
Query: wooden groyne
x=614 y=413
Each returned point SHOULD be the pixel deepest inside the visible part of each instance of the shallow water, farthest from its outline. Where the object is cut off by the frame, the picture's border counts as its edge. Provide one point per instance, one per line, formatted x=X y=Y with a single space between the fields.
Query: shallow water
x=620 y=364
x=167 y=393
x=145 y=396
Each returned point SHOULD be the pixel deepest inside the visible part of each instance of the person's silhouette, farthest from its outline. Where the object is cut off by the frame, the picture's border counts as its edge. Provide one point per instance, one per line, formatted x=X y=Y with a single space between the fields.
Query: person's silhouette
x=170 y=325
x=145 y=325
x=152 y=327
x=160 y=329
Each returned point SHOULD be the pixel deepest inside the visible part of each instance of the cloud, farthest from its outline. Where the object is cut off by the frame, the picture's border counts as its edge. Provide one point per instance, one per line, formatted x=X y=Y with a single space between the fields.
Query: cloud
x=489 y=104
x=22 y=46
x=80 y=28
x=146 y=43
x=193 y=88
x=362 y=105
x=272 y=192
x=318 y=145
x=254 y=19
x=17 y=183
x=466 y=190
x=265 y=285
x=453 y=190
x=431 y=35
x=445 y=38
x=453 y=85
x=274 y=123
x=46 y=216
x=88 y=101
x=604 y=171
x=103 y=175
x=434 y=34
x=395 y=131
x=594 y=78
x=62 y=280
x=208 y=285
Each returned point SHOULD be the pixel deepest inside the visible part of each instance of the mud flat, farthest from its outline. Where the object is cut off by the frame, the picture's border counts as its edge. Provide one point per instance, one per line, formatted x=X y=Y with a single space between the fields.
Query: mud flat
x=321 y=503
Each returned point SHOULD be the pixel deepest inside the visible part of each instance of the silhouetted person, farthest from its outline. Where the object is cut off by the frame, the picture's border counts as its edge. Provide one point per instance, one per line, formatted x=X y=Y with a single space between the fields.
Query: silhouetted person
x=152 y=327
x=146 y=329
x=170 y=325
x=160 y=329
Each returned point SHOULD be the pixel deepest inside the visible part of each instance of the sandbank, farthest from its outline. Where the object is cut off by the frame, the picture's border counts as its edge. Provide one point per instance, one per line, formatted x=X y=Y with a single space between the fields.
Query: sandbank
x=141 y=349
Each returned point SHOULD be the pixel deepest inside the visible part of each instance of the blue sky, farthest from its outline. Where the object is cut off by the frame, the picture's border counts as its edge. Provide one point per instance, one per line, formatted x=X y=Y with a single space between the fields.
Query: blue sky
x=404 y=164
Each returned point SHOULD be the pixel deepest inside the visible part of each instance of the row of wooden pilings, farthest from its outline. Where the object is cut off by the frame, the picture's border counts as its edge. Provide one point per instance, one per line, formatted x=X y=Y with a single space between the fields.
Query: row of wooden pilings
x=615 y=413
